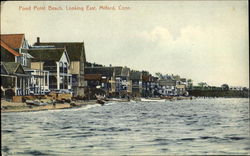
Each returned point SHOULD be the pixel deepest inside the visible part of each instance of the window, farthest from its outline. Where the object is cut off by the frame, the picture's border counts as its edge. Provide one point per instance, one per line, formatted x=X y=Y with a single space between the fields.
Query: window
x=69 y=79
x=61 y=67
x=45 y=79
x=65 y=67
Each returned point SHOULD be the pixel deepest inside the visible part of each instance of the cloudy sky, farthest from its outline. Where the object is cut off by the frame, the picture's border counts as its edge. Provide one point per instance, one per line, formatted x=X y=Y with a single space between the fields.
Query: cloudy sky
x=202 y=40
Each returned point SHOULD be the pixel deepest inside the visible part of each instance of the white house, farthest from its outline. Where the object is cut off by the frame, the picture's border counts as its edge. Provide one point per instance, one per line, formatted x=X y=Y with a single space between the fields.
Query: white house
x=56 y=61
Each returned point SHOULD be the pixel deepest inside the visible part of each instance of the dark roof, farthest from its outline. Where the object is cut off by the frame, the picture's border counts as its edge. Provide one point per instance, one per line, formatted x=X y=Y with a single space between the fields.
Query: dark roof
x=93 y=76
x=50 y=54
x=135 y=75
x=177 y=77
x=154 y=79
x=9 y=49
x=89 y=64
x=105 y=71
x=125 y=71
x=146 y=77
x=118 y=71
x=3 y=70
x=15 y=41
x=167 y=82
x=183 y=80
x=75 y=50
x=12 y=67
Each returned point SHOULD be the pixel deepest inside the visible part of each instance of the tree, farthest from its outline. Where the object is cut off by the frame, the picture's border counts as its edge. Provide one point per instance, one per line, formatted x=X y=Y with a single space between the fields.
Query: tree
x=202 y=84
x=145 y=72
x=159 y=75
x=190 y=83
x=245 y=89
x=225 y=87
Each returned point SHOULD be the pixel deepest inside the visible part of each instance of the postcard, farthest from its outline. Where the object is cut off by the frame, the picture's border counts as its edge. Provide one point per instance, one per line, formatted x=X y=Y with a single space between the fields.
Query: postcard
x=124 y=77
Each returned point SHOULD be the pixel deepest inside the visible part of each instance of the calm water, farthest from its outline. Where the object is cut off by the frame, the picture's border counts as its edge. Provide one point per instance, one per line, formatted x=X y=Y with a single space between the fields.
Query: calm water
x=200 y=126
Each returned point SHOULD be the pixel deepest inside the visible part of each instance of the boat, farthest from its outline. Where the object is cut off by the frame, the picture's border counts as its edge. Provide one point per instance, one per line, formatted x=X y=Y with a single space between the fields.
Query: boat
x=171 y=98
x=184 y=98
x=36 y=102
x=118 y=100
x=100 y=99
x=167 y=97
x=102 y=102
x=29 y=102
x=152 y=100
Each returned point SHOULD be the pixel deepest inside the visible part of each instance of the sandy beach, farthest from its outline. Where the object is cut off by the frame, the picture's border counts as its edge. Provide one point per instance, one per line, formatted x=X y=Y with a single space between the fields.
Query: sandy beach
x=23 y=107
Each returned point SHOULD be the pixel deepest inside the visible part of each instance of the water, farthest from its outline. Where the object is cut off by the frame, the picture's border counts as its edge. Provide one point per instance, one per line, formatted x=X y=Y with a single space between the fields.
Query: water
x=200 y=126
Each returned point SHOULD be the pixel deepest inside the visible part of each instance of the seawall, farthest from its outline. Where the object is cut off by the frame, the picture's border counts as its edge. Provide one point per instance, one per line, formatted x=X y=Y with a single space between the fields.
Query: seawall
x=219 y=93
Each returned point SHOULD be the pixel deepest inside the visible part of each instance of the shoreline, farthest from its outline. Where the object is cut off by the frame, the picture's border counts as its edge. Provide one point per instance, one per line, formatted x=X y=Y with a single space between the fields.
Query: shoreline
x=7 y=107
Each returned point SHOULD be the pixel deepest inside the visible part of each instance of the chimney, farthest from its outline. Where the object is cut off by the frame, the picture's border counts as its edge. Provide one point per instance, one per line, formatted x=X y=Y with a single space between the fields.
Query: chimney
x=38 y=40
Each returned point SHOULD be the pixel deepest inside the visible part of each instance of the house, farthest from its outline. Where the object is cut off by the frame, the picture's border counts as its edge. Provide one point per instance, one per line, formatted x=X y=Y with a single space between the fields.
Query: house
x=235 y=88
x=76 y=53
x=18 y=43
x=184 y=81
x=96 y=85
x=122 y=82
x=136 y=83
x=147 y=88
x=167 y=86
x=56 y=61
x=146 y=84
x=149 y=85
x=14 y=48
x=113 y=80
x=39 y=81
x=13 y=77
x=126 y=87
x=105 y=73
x=173 y=85
x=8 y=54
x=14 y=80
x=181 y=89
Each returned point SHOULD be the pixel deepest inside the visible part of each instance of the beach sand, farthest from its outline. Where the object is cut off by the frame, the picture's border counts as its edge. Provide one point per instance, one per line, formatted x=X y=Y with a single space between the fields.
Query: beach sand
x=23 y=107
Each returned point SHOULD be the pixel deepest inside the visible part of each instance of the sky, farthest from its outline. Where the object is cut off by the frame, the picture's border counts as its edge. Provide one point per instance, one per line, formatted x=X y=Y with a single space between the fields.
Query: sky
x=206 y=41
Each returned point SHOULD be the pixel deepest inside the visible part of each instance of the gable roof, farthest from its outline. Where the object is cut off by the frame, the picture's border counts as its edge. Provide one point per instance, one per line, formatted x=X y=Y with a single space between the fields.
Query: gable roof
x=105 y=71
x=75 y=50
x=13 y=68
x=125 y=71
x=135 y=75
x=3 y=70
x=146 y=77
x=167 y=82
x=49 y=54
x=9 y=49
x=118 y=71
x=14 y=41
x=92 y=76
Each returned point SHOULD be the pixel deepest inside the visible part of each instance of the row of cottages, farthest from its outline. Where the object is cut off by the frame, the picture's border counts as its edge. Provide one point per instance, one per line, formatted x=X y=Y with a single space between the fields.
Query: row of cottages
x=74 y=60
x=149 y=85
x=111 y=81
x=15 y=62
x=41 y=68
x=172 y=85
x=119 y=82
